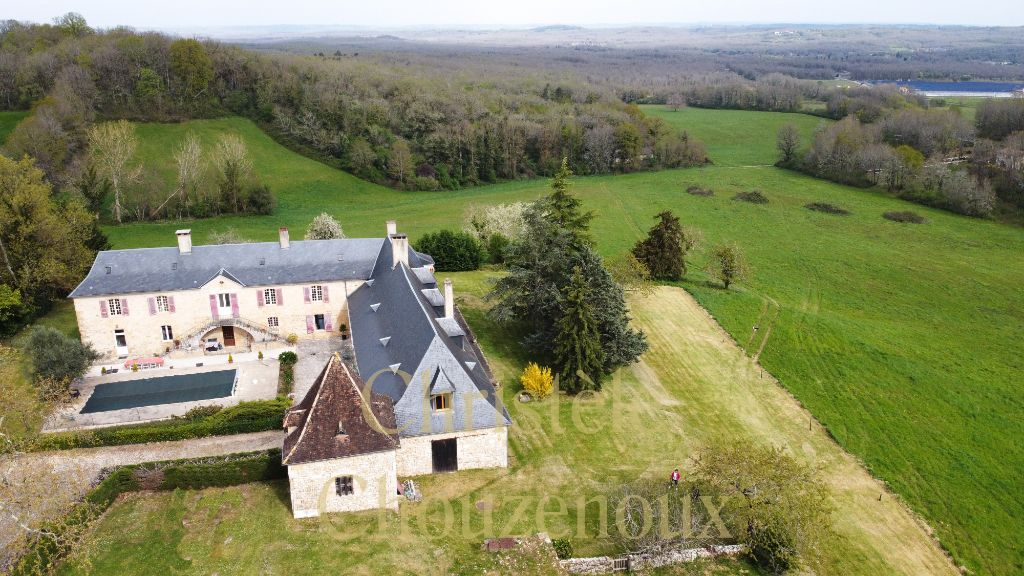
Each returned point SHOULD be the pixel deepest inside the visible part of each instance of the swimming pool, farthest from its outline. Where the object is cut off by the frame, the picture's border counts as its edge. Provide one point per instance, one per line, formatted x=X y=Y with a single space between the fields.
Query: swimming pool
x=160 y=390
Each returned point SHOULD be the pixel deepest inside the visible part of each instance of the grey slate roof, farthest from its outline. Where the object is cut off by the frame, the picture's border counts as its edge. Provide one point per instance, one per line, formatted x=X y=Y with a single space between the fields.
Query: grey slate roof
x=253 y=264
x=421 y=348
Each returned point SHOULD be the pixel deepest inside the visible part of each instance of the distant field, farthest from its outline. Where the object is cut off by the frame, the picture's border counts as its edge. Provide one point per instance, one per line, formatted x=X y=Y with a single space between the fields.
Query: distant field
x=737 y=137
x=8 y=120
x=902 y=339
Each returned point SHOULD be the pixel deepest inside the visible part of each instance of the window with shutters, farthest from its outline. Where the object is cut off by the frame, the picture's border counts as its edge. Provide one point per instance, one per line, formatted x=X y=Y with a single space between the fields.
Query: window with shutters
x=273 y=323
x=270 y=296
x=343 y=485
x=316 y=293
x=166 y=333
x=114 y=306
x=320 y=322
x=162 y=304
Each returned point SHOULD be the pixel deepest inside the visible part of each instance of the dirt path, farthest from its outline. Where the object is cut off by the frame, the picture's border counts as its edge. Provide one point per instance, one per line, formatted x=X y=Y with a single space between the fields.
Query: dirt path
x=725 y=394
x=67 y=474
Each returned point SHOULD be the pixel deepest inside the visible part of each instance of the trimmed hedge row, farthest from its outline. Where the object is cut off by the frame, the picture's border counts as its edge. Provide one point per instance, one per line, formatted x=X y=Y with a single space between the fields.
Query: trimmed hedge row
x=43 y=554
x=255 y=416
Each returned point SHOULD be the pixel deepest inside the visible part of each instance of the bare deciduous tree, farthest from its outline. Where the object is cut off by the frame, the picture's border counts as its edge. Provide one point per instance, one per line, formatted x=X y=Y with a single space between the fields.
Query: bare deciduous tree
x=112 y=150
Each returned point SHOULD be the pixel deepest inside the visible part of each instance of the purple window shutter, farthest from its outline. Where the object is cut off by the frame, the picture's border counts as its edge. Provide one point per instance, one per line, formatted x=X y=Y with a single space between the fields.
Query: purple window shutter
x=326 y=298
x=170 y=304
x=124 y=306
x=234 y=305
x=213 y=306
x=103 y=308
x=327 y=324
x=305 y=294
x=280 y=297
x=259 y=298
x=152 y=306
x=310 y=326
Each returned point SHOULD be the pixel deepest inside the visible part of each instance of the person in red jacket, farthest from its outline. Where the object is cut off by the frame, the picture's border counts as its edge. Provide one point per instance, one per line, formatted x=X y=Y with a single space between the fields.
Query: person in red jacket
x=675 y=478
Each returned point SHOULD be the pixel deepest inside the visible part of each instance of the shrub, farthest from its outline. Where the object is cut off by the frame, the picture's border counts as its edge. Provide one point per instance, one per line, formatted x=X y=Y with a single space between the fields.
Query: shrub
x=698 y=191
x=200 y=412
x=497 y=244
x=537 y=380
x=259 y=355
x=57 y=356
x=261 y=201
x=754 y=197
x=324 y=227
x=563 y=548
x=231 y=359
x=905 y=216
x=289 y=358
x=827 y=208
x=292 y=338
x=254 y=416
x=452 y=251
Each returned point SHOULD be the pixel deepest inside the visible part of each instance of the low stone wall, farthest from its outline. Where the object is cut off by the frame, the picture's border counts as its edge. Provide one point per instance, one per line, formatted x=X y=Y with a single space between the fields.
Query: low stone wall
x=606 y=564
x=595 y=565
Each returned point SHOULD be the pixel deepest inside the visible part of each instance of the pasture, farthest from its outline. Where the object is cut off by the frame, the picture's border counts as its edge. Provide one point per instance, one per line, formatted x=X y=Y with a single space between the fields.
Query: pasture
x=8 y=120
x=901 y=339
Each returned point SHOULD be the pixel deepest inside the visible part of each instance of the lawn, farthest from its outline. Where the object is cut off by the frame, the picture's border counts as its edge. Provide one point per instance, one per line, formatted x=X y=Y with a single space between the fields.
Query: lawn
x=694 y=389
x=8 y=120
x=902 y=339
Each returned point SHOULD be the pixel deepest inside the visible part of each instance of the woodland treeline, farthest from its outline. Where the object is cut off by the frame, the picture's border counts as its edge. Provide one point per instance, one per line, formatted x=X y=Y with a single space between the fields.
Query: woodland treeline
x=403 y=126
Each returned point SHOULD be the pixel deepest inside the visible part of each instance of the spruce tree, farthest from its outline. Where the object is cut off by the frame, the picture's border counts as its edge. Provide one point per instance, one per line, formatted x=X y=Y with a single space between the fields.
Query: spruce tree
x=578 y=355
x=565 y=210
x=664 y=249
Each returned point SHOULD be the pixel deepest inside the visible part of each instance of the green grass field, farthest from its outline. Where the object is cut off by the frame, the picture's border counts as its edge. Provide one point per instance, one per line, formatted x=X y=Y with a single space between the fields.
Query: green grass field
x=694 y=389
x=902 y=339
x=8 y=120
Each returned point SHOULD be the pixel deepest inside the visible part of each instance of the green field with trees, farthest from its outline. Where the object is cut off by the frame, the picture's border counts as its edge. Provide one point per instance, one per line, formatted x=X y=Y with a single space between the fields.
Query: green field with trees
x=856 y=328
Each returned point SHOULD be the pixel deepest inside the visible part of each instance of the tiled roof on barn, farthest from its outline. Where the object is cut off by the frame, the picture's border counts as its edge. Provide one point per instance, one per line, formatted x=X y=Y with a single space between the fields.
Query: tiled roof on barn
x=336 y=419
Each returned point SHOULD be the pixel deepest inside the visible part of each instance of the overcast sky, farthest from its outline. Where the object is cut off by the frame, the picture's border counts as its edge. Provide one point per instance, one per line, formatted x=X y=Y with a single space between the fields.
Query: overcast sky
x=492 y=14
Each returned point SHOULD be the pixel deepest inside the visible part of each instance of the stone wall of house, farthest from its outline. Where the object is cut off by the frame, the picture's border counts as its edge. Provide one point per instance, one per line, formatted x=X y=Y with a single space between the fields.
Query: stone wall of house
x=375 y=483
x=487 y=448
x=192 y=310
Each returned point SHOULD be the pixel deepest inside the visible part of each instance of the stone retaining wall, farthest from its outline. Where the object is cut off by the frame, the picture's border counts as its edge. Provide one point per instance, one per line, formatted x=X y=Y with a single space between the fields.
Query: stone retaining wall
x=606 y=564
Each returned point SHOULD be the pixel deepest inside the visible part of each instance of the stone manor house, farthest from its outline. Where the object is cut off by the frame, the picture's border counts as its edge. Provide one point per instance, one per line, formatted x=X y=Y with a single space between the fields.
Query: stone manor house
x=412 y=395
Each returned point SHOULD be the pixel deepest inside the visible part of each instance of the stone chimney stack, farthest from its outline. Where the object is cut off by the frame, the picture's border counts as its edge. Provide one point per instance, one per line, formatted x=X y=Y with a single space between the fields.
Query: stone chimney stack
x=283 y=232
x=184 y=241
x=399 y=250
x=392 y=227
x=449 y=299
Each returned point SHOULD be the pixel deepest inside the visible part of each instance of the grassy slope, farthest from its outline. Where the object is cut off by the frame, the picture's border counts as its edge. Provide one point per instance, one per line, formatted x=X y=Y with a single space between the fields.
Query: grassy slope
x=693 y=389
x=899 y=338
x=8 y=120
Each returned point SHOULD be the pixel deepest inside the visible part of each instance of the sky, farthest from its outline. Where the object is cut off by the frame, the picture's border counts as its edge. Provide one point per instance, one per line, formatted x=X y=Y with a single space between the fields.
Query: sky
x=150 y=14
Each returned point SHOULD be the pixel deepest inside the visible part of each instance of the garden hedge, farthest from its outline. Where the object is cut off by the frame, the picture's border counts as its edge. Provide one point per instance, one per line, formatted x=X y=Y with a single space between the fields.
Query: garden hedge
x=255 y=416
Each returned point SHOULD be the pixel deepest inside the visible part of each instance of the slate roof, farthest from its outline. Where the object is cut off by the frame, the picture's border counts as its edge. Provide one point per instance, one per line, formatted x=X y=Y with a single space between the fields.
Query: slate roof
x=337 y=396
x=252 y=264
x=418 y=352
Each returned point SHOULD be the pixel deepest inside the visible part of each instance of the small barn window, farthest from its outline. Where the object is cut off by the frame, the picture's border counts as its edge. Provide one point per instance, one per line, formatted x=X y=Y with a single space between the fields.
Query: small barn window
x=343 y=485
x=441 y=401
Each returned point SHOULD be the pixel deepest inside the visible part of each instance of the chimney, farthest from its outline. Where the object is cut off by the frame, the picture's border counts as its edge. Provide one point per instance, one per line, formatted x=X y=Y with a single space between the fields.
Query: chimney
x=392 y=227
x=449 y=299
x=399 y=250
x=184 y=241
x=284 y=237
